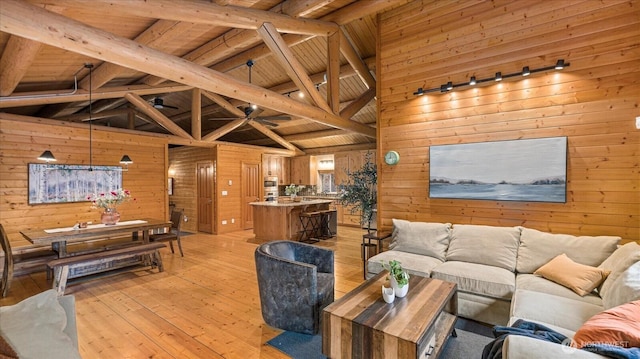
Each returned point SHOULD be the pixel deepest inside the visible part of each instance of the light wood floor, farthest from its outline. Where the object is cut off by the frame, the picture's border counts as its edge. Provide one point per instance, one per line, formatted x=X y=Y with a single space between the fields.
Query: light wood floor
x=205 y=305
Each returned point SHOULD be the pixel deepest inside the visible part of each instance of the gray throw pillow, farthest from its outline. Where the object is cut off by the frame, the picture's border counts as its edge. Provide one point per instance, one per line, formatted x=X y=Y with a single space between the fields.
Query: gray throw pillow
x=429 y=239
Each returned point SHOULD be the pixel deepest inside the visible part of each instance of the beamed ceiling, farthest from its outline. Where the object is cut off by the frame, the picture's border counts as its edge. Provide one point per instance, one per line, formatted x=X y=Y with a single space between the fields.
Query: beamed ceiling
x=192 y=55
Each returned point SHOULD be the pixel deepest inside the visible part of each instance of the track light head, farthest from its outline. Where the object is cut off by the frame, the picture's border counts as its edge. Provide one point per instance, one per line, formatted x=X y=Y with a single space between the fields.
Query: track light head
x=559 y=64
x=526 y=71
x=472 y=81
x=449 y=86
x=420 y=92
x=498 y=76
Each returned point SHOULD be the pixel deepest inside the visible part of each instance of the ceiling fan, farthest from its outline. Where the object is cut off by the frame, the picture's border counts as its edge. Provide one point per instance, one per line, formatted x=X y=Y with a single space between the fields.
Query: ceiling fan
x=251 y=114
x=252 y=111
x=158 y=103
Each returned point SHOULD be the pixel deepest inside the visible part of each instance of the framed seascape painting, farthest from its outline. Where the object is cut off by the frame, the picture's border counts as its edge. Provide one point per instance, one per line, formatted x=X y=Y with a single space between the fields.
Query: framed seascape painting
x=70 y=183
x=519 y=170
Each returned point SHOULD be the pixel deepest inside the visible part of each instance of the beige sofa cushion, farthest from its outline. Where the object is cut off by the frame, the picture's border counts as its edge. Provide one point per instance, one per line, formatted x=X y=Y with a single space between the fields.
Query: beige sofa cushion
x=618 y=262
x=476 y=278
x=537 y=248
x=429 y=239
x=625 y=289
x=35 y=328
x=538 y=284
x=578 y=277
x=413 y=263
x=555 y=310
x=493 y=246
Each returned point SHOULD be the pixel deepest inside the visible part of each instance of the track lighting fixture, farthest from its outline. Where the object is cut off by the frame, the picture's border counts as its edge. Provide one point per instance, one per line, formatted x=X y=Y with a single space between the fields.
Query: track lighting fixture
x=526 y=71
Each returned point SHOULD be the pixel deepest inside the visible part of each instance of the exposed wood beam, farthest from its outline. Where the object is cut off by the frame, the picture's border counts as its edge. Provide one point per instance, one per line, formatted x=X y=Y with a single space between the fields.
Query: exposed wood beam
x=196 y=114
x=334 y=149
x=207 y=13
x=214 y=135
x=157 y=36
x=49 y=97
x=17 y=57
x=274 y=136
x=224 y=104
x=161 y=119
x=358 y=103
x=172 y=139
x=354 y=59
x=131 y=119
x=333 y=72
x=291 y=65
x=26 y=20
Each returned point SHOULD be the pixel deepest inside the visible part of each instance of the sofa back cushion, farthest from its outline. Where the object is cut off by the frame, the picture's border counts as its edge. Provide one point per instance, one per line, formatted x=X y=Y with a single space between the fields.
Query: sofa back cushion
x=624 y=289
x=617 y=263
x=493 y=246
x=429 y=239
x=538 y=248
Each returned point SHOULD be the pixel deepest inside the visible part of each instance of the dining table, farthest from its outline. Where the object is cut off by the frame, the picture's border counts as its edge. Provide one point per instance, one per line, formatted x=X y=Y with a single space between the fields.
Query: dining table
x=58 y=238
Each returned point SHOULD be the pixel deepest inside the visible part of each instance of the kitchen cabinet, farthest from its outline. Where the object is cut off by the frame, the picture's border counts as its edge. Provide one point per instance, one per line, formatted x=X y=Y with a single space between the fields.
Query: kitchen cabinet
x=278 y=166
x=304 y=170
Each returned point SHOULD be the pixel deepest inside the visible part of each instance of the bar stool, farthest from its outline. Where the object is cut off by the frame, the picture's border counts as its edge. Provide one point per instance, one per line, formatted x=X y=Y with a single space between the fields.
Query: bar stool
x=325 y=221
x=310 y=222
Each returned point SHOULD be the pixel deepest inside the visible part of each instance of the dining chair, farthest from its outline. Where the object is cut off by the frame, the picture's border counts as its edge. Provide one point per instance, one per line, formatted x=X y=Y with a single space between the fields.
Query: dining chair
x=174 y=232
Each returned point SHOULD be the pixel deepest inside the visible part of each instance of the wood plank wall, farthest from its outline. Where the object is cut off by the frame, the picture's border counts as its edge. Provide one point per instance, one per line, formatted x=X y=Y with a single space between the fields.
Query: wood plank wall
x=182 y=167
x=227 y=160
x=23 y=139
x=593 y=102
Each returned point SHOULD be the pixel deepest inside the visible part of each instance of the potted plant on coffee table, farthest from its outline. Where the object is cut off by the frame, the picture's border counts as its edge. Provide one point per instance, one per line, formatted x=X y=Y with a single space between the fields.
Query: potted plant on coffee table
x=398 y=277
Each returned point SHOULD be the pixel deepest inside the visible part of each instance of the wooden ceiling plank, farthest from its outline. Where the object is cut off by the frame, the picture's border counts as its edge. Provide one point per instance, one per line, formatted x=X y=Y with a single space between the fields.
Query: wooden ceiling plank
x=31 y=22
x=208 y=13
x=80 y=117
x=50 y=97
x=233 y=110
x=333 y=72
x=314 y=135
x=161 y=119
x=196 y=113
x=274 y=136
x=358 y=103
x=354 y=60
x=291 y=65
x=302 y=8
x=214 y=135
x=17 y=57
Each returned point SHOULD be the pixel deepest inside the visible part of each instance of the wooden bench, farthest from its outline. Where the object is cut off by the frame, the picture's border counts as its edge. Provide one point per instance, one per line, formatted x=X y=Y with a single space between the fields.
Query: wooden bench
x=62 y=266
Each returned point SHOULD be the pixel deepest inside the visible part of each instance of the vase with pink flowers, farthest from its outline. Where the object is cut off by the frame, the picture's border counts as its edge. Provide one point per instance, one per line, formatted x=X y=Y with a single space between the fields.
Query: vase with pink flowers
x=109 y=201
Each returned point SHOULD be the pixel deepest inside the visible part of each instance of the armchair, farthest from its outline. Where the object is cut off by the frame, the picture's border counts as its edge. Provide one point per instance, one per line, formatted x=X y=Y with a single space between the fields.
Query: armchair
x=296 y=282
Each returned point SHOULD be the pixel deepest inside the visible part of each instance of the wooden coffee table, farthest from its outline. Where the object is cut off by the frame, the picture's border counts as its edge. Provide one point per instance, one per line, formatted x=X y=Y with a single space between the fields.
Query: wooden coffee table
x=362 y=325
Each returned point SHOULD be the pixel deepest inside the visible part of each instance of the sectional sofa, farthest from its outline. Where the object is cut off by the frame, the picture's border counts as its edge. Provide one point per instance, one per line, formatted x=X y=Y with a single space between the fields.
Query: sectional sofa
x=509 y=273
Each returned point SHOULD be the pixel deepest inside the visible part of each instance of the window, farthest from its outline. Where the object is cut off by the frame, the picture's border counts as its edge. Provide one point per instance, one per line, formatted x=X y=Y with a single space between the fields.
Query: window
x=327 y=182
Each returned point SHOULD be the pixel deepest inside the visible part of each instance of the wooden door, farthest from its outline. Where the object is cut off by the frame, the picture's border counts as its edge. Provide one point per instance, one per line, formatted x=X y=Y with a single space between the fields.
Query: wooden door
x=205 y=196
x=251 y=185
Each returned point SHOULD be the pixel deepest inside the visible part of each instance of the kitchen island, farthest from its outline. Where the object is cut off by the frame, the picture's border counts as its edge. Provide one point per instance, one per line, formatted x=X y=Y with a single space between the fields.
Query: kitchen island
x=281 y=220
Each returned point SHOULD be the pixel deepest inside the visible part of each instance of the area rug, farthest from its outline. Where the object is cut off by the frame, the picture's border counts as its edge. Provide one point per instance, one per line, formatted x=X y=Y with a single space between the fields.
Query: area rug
x=466 y=345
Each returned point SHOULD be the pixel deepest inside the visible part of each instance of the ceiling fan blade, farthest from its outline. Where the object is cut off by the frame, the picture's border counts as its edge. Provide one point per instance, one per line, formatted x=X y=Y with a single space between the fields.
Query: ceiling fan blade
x=167 y=106
x=275 y=118
x=224 y=118
x=266 y=122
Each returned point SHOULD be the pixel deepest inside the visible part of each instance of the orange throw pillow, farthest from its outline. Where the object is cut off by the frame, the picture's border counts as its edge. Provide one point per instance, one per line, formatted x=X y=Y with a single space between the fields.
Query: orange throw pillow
x=580 y=278
x=618 y=326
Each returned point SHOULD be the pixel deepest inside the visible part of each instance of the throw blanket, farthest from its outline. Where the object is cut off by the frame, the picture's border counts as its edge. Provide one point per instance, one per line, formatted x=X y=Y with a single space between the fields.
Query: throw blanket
x=493 y=350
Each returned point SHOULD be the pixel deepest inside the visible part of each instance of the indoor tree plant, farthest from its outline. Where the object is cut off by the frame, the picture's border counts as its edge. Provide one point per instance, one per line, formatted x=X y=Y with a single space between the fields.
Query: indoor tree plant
x=398 y=277
x=360 y=190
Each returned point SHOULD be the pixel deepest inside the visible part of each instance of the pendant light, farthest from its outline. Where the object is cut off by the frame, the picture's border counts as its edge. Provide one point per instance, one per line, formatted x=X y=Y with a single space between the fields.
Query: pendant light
x=47 y=156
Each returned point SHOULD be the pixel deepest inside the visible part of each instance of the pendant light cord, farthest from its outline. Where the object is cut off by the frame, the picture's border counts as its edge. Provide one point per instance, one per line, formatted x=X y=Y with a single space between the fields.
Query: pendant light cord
x=90 y=66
